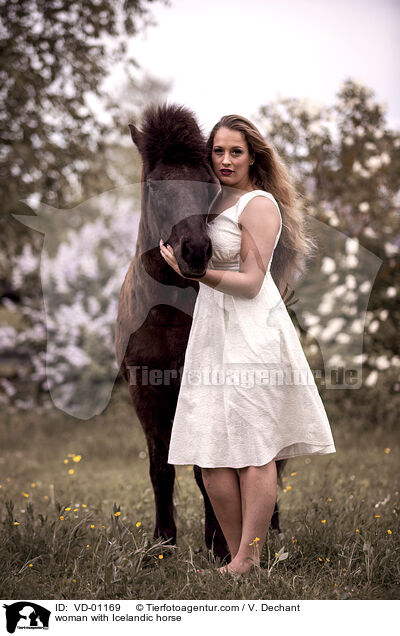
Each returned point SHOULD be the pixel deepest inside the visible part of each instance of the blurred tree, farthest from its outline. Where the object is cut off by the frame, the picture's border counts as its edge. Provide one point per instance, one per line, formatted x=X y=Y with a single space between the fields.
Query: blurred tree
x=121 y=155
x=345 y=162
x=54 y=54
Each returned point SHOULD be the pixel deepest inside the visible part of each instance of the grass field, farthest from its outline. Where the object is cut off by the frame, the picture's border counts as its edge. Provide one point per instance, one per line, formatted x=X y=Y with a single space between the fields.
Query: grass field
x=77 y=517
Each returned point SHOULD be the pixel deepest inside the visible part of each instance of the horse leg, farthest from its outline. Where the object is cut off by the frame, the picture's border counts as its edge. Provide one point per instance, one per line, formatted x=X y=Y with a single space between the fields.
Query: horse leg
x=280 y=465
x=156 y=423
x=275 y=518
x=162 y=477
x=214 y=537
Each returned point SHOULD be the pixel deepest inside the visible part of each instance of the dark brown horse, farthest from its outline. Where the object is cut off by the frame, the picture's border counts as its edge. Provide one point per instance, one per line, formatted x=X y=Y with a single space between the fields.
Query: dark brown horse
x=156 y=304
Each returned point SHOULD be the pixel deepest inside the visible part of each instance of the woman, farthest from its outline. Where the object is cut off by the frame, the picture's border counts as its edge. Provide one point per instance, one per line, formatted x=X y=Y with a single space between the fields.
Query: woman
x=241 y=330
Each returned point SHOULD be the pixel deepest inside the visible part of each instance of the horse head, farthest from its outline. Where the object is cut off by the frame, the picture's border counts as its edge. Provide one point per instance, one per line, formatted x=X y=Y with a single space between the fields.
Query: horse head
x=177 y=188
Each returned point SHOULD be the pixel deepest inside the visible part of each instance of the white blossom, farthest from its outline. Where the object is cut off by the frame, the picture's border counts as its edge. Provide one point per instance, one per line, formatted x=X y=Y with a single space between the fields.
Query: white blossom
x=391 y=249
x=374 y=326
x=351 y=282
x=328 y=265
x=382 y=363
x=372 y=378
x=363 y=206
x=352 y=246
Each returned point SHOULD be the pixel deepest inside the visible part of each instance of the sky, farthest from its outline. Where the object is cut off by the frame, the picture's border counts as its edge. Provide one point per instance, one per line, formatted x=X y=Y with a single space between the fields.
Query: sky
x=232 y=56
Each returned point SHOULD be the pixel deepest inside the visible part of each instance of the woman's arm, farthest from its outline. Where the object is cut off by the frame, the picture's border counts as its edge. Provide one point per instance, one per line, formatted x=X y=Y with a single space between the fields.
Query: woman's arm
x=260 y=224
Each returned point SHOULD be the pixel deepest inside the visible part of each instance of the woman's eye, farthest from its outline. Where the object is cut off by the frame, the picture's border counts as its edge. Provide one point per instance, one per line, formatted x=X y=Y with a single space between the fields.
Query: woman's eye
x=234 y=152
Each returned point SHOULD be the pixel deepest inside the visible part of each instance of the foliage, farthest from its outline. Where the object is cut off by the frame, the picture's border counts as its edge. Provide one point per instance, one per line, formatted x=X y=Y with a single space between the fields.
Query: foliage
x=345 y=163
x=54 y=57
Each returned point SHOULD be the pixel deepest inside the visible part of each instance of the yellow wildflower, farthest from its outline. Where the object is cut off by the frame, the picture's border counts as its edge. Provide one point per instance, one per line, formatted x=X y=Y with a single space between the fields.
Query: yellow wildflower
x=67 y=509
x=30 y=565
x=377 y=516
x=16 y=523
x=92 y=526
x=323 y=520
x=77 y=458
x=357 y=530
x=71 y=471
x=73 y=580
x=62 y=518
x=160 y=556
x=329 y=499
x=33 y=485
x=117 y=514
x=319 y=559
x=293 y=474
x=387 y=450
x=84 y=506
x=139 y=523
x=66 y=461
x=389 y=531
x=25 y=494
x=288 y=488
x=328 y=559
x=88 y=546
x=75 y=509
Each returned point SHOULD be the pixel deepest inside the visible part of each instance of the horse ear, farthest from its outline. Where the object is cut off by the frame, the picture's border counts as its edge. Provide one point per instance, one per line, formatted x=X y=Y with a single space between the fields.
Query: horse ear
x=136 y=136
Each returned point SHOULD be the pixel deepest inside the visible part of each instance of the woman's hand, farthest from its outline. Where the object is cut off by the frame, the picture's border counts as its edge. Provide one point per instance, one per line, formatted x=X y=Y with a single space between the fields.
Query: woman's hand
x=168 y=255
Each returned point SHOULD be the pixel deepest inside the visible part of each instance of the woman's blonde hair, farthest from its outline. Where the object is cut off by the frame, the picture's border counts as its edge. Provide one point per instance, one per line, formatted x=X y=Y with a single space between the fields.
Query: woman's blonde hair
x=269 y=173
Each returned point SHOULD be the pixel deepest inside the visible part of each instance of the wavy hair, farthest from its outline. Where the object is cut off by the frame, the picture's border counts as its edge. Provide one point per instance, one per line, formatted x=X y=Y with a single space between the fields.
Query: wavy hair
x=269 y=173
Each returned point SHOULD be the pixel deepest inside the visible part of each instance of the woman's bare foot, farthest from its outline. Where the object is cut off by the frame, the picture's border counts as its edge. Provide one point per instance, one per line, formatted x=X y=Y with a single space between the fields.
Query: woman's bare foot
x=238 y=567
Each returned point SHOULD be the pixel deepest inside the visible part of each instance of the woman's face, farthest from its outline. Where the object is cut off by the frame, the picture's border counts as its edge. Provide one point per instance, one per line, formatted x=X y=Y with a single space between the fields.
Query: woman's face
x=231 y=159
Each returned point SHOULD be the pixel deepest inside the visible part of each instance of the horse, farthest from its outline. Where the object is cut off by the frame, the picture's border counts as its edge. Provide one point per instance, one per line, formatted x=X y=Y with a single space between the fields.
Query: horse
x=155 y=308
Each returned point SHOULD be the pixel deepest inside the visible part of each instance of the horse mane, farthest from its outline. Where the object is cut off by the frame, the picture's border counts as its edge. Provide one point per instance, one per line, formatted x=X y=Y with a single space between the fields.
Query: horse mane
x=171 y=134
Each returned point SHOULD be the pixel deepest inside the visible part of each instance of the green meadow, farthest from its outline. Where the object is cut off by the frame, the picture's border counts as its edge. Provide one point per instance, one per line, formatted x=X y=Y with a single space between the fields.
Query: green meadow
x=77 y=517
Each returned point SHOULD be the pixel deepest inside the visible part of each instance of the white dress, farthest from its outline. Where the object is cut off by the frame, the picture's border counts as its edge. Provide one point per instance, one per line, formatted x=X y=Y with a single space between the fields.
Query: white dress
x=247 y=393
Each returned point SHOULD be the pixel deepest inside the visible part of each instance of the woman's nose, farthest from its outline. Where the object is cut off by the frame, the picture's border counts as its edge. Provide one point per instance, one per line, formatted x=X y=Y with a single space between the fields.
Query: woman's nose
x=226 y=160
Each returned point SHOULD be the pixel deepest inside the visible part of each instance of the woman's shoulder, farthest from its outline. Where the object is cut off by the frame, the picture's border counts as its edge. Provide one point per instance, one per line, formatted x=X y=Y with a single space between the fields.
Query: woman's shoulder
x=253 y=194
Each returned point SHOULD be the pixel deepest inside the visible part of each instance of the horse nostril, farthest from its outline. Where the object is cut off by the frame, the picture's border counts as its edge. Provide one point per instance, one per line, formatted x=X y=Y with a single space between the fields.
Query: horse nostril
x=196 y=253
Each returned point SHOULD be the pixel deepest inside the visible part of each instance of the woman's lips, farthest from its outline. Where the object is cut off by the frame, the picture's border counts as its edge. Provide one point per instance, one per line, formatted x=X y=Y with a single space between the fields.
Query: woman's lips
x=226 y=172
